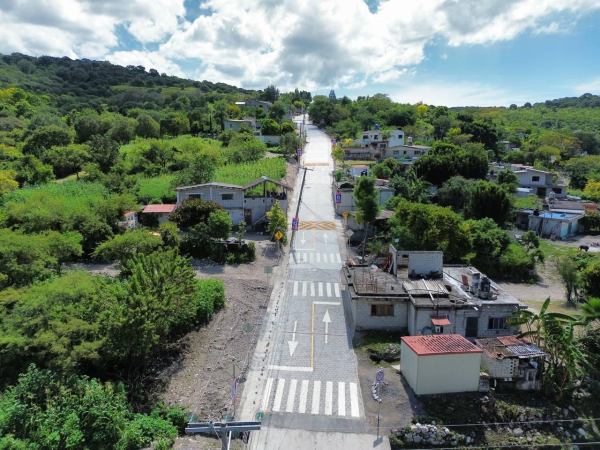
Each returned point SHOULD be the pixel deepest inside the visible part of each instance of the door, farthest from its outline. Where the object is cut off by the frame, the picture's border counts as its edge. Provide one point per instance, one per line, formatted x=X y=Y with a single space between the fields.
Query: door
x=472 y=327
x=248 y=216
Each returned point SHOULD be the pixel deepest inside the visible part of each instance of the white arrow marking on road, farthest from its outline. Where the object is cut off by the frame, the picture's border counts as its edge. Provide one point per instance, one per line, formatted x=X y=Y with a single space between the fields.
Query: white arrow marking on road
x=327 y=321
x=293 y=343
x=303 y=241
x=325 y=237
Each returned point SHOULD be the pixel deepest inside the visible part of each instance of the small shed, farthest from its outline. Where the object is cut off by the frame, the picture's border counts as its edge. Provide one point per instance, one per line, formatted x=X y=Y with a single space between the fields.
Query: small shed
x=357 y=170
x=440 y=364
x=160 y=211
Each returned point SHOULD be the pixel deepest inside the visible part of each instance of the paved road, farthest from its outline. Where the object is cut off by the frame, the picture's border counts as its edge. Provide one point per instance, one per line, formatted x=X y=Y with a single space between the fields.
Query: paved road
x=310 y=383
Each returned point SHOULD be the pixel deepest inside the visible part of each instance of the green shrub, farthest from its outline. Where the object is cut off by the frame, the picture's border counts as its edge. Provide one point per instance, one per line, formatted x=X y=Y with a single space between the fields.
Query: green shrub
x=210 y=296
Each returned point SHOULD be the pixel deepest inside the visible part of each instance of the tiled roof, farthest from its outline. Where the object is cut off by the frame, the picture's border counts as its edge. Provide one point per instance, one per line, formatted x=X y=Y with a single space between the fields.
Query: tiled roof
x=129 y=213
x=440 y=344
x=159 y=208
x=440 y=321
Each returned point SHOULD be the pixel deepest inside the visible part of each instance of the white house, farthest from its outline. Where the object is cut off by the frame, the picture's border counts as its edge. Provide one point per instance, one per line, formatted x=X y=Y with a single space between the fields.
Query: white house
x=256 y=104
x=540 y=181
x=346 y=193
x=374 y=138
x=406 y=154
x=129 y=220
x=231 y=124
x=240 y=204
x=440 y=364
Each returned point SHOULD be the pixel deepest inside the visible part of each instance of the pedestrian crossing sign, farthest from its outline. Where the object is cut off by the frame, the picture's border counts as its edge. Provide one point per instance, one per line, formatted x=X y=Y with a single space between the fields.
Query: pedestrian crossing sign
x=278 y=235
x=345 y=214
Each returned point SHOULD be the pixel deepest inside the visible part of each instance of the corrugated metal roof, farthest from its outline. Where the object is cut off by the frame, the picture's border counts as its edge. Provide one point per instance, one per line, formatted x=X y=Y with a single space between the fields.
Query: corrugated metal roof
x=440 y=344
x=526 y=351
x=509 y=347
x=195 y=186
x=262 y=180
x=159 y=208
x=424 y=287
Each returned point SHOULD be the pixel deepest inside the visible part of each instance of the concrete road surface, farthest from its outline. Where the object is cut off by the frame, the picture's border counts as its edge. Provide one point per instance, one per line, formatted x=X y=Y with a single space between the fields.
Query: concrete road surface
x=304 y=377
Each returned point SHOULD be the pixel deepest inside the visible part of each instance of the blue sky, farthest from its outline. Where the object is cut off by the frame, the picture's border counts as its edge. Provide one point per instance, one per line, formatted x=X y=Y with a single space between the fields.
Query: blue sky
x=449 y=52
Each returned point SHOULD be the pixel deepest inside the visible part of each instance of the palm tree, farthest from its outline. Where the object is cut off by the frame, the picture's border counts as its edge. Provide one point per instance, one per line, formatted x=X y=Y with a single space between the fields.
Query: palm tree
x=555 y=334
x=591 y=310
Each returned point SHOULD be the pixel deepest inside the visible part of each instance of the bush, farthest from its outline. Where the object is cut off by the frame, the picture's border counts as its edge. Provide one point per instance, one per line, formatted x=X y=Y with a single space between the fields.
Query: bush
x=210 y=296
x=516 y=264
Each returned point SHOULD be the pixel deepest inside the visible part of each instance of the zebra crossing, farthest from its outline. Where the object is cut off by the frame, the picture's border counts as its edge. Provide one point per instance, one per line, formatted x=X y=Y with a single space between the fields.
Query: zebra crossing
x=316 y=258
x=311 y=398
x=315 y=289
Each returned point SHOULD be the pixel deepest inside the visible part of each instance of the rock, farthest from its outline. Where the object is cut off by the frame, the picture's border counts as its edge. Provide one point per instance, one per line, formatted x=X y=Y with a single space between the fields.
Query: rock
x=581 y=431
x=416 y=439
x=469 y=439
x=571 y=408
x=433 y=422
x=518 y=432
x=409 y=437
x=565 y=412
x=560 y=429
x=567 y=434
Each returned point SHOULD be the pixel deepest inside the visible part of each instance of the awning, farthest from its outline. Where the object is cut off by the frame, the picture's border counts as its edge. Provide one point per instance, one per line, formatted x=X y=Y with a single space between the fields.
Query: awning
x=440 y=321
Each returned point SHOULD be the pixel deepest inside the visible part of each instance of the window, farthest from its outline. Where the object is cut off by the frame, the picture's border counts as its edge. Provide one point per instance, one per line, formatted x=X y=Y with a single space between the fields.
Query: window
x=498 y=323
x=226 y=196
x=396 y=152
x=365 y=136
x=375 y=136
x=535 y=178
x=195 y=196
x=404 y=152
x=382 y=310
x=417 y=152
x=439 y=329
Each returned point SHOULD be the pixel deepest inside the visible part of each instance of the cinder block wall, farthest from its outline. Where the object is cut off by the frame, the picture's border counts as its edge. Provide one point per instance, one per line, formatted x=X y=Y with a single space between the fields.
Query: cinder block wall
x=425 y=262
x=365 y=321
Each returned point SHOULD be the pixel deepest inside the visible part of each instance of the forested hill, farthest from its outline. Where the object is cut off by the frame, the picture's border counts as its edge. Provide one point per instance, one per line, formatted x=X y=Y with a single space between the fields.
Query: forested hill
x=77 y=84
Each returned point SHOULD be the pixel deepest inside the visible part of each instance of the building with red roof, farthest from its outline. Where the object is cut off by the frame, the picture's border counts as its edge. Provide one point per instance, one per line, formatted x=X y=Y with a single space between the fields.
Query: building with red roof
x=440 y=363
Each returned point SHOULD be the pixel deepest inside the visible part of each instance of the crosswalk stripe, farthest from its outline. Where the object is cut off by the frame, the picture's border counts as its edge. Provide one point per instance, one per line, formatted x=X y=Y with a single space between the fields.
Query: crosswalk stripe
x=341 y=398
x=328 y=289
x=329 y=398
x=318 y=257
x=324 y=257
x=305 y=257
x=354 y=400
x=303 y=396
x=267 y=393
x=291 y=396
x=304 y=283
x=339 y=259
x=311 y=257
x=312 y=289
x=320 y=289
x=295 y=288
x=316 y=397
x=279 y=394
x=331 y=258
x=337 y=289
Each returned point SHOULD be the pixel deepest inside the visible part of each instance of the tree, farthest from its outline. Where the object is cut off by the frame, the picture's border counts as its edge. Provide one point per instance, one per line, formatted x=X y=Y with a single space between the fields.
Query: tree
x=125 y=246
x=246 y=148
x=288 y=127
x=365 y=199
x=277 y=111
x=269 y=127
x=489 y=200
x=592 y=190
x=590 y=278
x=147 y=127
x=271 y=93
x=422 y=111
x=7 y=181
x=87 y=125
x=174 y=124
x=63 y=247
x=277 y=222
x=170 y=234
x=431 y=227
x=508 y=180
x=67 y=160
x=123 y=130
x=221 y=108
x=46 y=137
x=456 y=192
x=103 y=151
x=554 y=333
x=219 y=225
x=569 y=275
x=201 y=170
x=289 y=143
x=193 y=211
x=31 y=171
x=381 y=171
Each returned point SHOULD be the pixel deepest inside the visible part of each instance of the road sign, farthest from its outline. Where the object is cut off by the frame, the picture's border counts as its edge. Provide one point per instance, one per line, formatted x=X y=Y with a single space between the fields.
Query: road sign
x=268 y=269
x=278 y=235
x=260 y=415
x=234 y=390
x=295 y=222
x=299 y=152
x=334 y=141
x=379 y=376
x=345 y=214
x=338 y=197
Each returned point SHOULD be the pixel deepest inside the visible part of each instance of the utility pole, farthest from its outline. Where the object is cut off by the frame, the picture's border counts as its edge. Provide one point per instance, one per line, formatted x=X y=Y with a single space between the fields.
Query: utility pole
x=223 y=430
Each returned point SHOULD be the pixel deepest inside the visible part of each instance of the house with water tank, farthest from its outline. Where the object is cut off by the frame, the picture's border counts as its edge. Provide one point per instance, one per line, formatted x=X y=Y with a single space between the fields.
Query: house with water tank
x=419 y=295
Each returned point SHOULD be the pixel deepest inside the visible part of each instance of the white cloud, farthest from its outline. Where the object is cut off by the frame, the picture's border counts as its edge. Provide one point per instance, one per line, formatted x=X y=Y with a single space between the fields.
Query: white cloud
x=83 y=28
x=456 y=94
x=357 y=85
x=591 y=86
x=443 y=56
x=149 y=60
x=256 y=42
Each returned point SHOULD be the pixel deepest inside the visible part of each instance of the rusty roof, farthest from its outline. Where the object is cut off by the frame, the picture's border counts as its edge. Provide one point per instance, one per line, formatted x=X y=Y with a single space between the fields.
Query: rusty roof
x=424 y=287
x=440 y=344
x=159 y=208
x=509 y=347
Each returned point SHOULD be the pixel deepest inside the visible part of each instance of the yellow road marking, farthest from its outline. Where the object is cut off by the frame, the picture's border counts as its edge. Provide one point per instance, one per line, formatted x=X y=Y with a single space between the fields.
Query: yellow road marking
x=316 y=225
